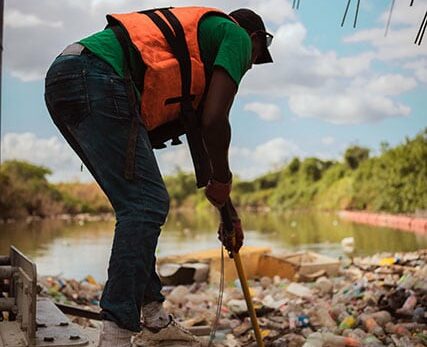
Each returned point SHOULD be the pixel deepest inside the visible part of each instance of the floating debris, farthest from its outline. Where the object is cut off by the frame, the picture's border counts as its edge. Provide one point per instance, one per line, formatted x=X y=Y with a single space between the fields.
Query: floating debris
x=379 y=300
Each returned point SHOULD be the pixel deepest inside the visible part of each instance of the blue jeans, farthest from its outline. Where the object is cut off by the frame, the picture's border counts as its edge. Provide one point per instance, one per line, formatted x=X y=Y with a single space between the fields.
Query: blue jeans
x=90 y=105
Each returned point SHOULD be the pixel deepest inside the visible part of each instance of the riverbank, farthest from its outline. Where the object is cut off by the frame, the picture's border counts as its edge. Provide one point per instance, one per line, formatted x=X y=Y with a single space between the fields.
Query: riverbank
x=401 y=222
x=392 y=182
x=373 y=301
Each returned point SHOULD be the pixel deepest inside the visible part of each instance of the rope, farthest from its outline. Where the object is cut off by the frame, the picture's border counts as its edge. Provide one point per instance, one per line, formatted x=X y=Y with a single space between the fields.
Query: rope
x=220 y=296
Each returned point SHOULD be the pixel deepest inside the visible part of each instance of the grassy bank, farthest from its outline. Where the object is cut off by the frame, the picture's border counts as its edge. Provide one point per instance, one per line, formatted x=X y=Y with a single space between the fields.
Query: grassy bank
x=394 y=181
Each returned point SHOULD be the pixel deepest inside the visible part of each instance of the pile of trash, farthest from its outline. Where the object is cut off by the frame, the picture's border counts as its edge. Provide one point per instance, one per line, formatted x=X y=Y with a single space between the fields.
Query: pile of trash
x=374 y=301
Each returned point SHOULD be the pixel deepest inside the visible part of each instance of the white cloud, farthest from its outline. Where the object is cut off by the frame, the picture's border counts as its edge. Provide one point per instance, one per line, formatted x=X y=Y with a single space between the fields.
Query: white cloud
x=392 y=84
x=250 y=163
x=267 y=112
x=173 y=158
x=50 y=152
x=301 y=72
x=399 y=43
x=244 y=162
x=347 y=107
x=327 y=140
x=276 y=11
x=16 y=19
x=419 y=67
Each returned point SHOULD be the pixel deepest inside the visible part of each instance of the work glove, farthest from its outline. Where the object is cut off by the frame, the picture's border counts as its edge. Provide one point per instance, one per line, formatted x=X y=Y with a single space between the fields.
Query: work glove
x=218 y=193
x=226 y=237
x=232 y=240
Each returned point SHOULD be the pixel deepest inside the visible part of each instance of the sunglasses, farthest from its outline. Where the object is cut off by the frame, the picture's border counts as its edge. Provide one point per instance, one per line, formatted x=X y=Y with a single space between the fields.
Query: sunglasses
x=268 y=37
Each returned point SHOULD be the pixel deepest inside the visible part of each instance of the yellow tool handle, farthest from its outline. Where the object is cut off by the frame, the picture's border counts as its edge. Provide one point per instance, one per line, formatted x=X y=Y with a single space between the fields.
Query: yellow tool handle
x=228 y=223
x=247 y=294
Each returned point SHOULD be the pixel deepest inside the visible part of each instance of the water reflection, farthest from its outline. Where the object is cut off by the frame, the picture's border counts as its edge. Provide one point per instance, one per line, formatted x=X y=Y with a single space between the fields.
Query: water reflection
x=77 y=250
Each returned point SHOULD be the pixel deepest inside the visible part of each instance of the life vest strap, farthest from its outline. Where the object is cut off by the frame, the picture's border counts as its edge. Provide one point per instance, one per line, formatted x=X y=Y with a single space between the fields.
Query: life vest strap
x=188 y=115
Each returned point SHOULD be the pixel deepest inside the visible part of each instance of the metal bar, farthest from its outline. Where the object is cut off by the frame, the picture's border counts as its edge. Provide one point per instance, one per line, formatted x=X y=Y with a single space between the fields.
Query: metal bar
x=227 y=220
x=412 y=2
x=424 y=29
x=79 y=312
x=357 y=13
x=421 y=27
x=345 y=12
x=389 y=18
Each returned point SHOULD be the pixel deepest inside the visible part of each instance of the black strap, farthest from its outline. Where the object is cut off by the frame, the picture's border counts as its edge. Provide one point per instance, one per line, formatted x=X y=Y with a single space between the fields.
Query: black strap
x=177 y=42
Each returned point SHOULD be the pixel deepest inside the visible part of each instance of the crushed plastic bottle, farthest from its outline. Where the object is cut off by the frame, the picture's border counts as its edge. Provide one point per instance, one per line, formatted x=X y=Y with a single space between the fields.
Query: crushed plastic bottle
x=319 y=339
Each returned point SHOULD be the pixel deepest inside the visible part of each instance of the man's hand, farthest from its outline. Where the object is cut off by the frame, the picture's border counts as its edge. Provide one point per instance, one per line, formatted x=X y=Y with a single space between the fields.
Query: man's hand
x=232 y=239
x=218 y=193
x=232 y=246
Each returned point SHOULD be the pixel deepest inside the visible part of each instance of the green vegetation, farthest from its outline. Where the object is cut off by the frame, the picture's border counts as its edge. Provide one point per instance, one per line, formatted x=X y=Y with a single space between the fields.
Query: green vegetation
x=25 y=191
x=395 y=181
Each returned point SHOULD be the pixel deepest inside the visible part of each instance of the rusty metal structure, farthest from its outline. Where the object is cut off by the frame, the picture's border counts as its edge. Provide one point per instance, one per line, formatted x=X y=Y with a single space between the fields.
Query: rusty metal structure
x=26 y=319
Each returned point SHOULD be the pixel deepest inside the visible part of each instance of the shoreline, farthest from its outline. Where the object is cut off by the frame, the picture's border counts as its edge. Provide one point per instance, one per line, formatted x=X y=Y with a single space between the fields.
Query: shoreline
x=396 y=221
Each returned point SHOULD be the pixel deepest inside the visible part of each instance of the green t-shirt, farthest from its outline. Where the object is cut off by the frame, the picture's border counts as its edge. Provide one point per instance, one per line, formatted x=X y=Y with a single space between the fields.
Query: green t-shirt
x=222 y=43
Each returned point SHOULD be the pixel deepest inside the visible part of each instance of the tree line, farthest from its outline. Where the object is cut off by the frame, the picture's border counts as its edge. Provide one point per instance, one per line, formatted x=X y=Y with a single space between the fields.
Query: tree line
x=394 y=181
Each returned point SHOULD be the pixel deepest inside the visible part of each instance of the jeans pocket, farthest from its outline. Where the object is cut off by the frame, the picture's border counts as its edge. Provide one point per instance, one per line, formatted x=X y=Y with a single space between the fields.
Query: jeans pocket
x=67 y=98
x=109 y=97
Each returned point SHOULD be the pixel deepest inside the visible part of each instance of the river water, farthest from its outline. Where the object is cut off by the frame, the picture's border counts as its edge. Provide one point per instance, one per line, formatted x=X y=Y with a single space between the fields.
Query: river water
x=78 y=249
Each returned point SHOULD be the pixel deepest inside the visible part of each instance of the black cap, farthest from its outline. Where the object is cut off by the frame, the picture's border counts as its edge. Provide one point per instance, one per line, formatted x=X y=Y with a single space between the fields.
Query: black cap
x=252 y=22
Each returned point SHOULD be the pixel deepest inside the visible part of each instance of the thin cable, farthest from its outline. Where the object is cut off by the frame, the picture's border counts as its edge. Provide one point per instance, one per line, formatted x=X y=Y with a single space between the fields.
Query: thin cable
x=298 y=4
x=412 y=2
x=421 y=31
x=293 y=4
x=389 y=18
x=345 y=13
x=357 y=13
x=424 y=29
x=220 y=297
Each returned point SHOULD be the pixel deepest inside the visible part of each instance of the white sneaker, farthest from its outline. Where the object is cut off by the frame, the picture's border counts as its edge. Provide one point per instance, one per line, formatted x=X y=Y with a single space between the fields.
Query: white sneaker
x=172 y=334
x=114 y=336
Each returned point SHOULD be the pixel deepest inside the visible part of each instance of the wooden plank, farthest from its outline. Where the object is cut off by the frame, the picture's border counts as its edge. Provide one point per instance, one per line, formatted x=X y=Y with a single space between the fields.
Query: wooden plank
x=250 y=257
x=291 y=266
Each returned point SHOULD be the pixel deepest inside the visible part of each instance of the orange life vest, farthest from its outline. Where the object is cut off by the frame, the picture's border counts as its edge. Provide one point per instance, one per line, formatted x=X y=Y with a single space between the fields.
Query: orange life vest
x=160 y=98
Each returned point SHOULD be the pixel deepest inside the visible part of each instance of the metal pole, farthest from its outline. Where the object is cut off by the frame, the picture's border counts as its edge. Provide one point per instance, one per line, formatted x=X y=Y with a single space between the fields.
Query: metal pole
x=1 y=65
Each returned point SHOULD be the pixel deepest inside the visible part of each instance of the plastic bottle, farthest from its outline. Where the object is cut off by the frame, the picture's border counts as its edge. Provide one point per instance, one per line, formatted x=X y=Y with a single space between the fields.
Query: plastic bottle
x=419 y=315
x=303 y=320
x=381 y=317
x=371 y=341
x=292 y=320
x=406 y=281
x=348 y=322
x=320 y=339
x=370 y=325
x=408 y=305
x=324 y=318
x=397 y=329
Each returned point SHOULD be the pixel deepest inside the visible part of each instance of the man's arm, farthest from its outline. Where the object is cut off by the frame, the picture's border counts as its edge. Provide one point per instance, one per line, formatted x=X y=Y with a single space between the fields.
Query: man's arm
x=216 y=128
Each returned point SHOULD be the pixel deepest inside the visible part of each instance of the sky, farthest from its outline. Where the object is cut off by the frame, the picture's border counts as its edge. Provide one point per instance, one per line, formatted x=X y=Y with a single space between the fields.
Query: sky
x=329 y=86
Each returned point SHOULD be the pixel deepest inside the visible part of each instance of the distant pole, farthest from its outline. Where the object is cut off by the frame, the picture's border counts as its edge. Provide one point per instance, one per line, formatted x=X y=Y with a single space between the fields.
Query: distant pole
x=1 y=61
